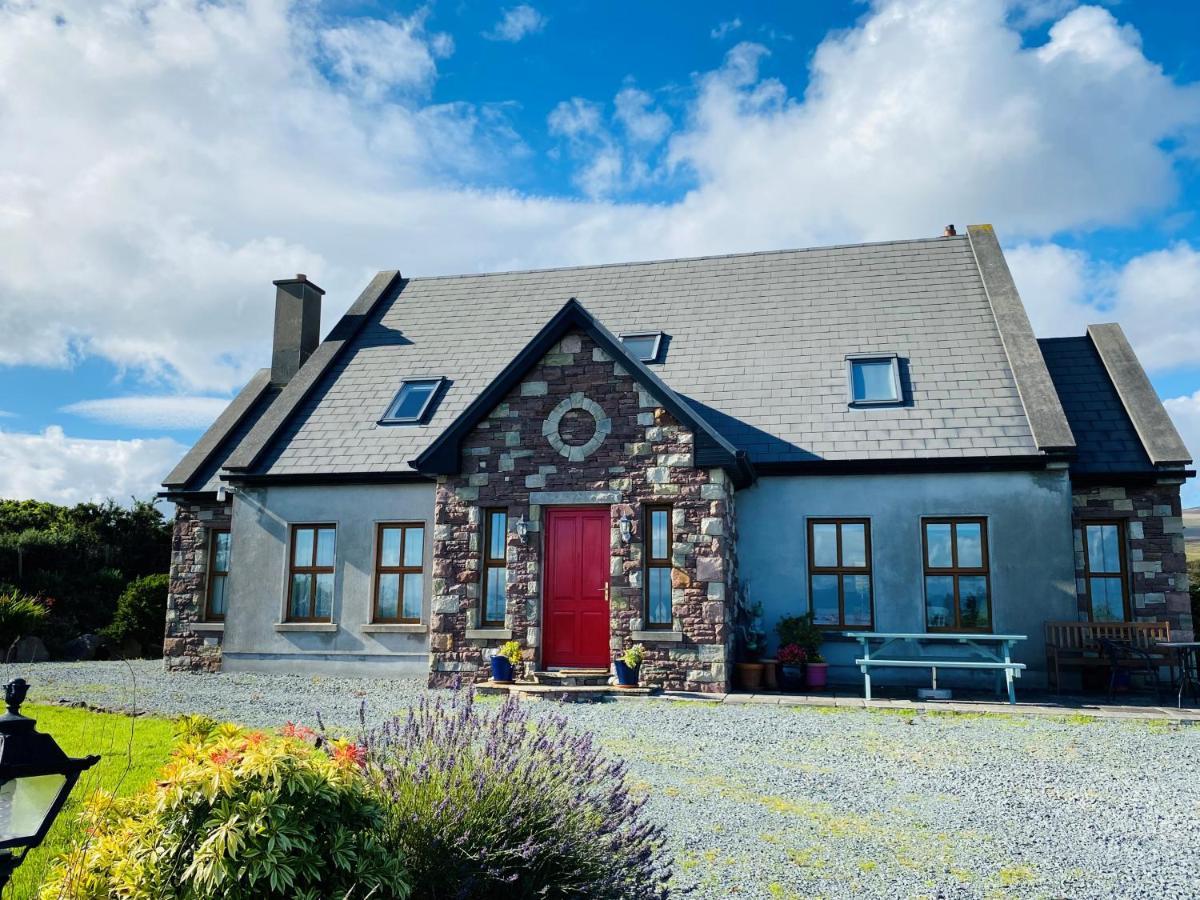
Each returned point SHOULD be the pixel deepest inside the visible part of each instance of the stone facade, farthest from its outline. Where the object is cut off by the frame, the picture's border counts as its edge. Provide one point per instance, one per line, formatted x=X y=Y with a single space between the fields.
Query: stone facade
x=579 y=430
x=191 y=644
x=1155 y=552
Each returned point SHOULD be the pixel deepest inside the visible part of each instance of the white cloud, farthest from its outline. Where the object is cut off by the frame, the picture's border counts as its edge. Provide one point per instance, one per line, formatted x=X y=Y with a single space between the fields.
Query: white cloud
x=517 y=23
x=724 y=28
x=1066 y=290
x=375 y=56
x=51 y=466
x=643 y=123
x=169 y=412
x=1185 y=412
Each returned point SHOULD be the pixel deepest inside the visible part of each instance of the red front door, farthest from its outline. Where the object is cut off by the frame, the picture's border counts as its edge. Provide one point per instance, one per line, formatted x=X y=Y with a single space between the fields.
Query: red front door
x=576 y=599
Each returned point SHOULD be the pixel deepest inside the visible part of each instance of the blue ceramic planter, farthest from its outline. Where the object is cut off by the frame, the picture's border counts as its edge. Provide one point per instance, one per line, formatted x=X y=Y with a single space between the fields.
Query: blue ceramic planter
x=502 y=669
x=626 y=677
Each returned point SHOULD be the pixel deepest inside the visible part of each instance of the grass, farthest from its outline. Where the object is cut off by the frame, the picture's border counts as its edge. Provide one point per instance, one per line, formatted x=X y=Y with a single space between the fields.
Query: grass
x=132 y=751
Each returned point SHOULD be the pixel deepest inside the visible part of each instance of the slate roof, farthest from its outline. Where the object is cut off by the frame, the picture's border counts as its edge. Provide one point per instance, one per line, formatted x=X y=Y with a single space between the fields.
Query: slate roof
x=757 y=346
x=1105 y=436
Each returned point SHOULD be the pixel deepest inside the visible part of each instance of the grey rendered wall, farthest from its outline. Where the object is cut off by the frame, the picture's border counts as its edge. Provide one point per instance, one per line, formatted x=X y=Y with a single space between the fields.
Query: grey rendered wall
x=258 y=580
x=1029 y=541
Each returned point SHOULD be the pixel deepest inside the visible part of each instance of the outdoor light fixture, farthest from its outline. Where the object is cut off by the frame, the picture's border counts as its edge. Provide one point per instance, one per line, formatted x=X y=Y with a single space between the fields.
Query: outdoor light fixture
x=35 y=779
x=522 y=529
x=626 y=528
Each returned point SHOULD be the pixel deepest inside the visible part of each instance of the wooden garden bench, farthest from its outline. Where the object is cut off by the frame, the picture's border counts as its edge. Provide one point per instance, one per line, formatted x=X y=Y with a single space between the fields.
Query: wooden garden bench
x=1077 y=644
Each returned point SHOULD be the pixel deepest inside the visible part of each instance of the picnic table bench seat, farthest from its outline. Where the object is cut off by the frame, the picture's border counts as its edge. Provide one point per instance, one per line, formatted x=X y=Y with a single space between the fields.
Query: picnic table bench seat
x=984 y=657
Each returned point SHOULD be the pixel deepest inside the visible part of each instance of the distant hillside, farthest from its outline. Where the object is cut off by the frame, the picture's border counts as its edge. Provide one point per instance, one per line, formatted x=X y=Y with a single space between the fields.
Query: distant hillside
x=1191 y=531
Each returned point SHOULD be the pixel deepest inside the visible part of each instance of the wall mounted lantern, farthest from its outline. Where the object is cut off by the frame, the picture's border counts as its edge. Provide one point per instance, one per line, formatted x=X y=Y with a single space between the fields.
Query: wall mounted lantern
x=35 y=779
x=522 y=529
x=626 y=528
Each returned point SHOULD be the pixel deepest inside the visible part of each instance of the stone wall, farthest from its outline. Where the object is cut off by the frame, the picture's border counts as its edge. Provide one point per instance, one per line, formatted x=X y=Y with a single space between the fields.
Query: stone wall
x=1156 y=557
x=579 y=430
x=190 y=644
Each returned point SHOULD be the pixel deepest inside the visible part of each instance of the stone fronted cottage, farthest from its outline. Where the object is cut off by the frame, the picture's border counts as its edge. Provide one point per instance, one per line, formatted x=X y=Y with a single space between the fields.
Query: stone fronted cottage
x=583 y=459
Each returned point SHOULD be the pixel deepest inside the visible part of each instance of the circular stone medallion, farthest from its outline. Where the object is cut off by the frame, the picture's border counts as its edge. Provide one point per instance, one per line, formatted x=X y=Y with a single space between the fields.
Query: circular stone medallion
x=570 y=437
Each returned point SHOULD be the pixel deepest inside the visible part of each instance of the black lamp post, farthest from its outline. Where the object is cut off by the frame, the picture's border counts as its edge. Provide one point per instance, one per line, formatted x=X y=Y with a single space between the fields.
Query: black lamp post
x=35 y=779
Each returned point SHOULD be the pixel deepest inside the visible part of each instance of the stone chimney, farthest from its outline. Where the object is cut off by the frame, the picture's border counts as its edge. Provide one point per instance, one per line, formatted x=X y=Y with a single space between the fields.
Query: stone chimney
x=949 y=232
x=297 y=326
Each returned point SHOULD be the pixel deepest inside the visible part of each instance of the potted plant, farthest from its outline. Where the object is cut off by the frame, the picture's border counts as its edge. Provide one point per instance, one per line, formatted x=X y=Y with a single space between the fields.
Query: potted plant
x=628 y=665
x=750 y=671
x=803 y=631
x=792 y=663
x=504 y=660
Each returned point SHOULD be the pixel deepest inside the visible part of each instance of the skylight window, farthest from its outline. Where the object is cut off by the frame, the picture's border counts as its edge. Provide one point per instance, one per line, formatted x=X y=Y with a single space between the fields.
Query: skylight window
x=874 y=379
x=645 y=345
x=413 y=401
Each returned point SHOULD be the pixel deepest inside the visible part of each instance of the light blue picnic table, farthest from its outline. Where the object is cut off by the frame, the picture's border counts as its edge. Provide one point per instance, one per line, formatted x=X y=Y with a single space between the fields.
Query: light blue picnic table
x=987 y=652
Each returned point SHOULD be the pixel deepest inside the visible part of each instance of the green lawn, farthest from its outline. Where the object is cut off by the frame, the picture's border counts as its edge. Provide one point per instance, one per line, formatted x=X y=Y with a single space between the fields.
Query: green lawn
x=132 y=752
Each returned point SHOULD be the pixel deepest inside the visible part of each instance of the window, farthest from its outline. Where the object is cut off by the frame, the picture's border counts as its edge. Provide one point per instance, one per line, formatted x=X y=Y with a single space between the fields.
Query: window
x=413 y=401
x=1104 y=571
x=399 y=584
x=495 y=568
x=873 y=379
x=839 y=572
x=645 y=345
x=218 y=575
x=658 y=567
x=957 y=594
x=310 y=589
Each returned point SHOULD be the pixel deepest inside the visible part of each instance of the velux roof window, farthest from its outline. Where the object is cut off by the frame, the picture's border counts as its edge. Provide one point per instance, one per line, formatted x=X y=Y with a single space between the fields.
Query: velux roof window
x=874 y=379
x=645 y=345
x=413 y=402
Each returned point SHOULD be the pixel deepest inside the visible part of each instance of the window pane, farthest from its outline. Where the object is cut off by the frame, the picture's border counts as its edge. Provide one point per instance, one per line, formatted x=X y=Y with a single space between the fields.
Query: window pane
x=973 y=601
x=1107 y=603
x=659 y=587
x=937 y=542
x=825 y=599
x=414 y=587
x=856 y=593
x=389 y=596
x=325 y=541
x=221 y=551
x=414 y=546
x=497 y=532
x=872 y=379
x=304 y=547
x=410 y=401
x=824 y=549
x=939 y=601
x=970 y=545
x=300 y=598
x=389 y=548
x=495 y=599
x=641 y=346
x=1104 y=548
x=324 y=604
x=658 y=534
x=216 y=597
x=854 y=546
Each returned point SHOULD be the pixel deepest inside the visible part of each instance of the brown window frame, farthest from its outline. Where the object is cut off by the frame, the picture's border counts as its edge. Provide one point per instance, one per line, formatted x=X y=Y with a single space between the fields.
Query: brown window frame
x=312 y=571
x=1123 y=574
x=401 y=570
x=955 y=571
x=490 y=563
x=209 y=615
x=651 y=562
x=840 y=570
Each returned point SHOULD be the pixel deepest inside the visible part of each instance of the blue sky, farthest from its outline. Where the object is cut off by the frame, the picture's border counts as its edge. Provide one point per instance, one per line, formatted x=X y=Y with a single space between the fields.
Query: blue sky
x=161 y=162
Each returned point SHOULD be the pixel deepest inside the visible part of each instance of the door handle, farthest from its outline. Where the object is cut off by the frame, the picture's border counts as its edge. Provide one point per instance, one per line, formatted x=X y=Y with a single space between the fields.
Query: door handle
x=606 y=597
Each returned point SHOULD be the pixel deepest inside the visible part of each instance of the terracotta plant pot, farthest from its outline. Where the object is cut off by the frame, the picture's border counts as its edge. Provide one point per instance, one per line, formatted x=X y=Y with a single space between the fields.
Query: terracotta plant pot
x=770 y=681
x=816 y=675
x=749 y=675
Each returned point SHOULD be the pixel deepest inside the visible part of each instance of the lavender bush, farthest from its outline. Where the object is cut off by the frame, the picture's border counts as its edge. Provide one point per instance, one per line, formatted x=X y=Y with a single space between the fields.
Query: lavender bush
x=505 y=805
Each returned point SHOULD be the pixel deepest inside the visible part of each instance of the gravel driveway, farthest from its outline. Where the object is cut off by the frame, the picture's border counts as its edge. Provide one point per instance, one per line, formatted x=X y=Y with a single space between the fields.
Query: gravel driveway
x=783 y=802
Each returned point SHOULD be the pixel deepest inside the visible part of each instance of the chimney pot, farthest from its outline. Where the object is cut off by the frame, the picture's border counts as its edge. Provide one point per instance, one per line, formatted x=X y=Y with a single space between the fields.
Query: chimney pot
x=297 y=326
x=949 y=232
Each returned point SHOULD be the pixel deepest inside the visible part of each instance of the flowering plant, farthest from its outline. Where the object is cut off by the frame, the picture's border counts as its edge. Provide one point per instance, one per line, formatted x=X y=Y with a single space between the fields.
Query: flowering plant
x=633 y=656
x=510 y=651
x=792 y=655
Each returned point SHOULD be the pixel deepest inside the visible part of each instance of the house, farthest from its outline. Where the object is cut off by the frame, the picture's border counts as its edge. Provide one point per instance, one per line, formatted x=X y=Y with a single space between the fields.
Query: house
x=580 y=459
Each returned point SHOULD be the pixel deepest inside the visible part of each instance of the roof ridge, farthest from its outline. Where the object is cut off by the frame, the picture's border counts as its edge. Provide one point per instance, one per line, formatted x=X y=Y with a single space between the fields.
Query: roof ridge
x=682 y=259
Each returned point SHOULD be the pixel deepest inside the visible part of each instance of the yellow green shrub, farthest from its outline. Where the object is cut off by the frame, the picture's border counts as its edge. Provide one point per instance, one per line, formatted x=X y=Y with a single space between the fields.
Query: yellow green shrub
x=237 y=815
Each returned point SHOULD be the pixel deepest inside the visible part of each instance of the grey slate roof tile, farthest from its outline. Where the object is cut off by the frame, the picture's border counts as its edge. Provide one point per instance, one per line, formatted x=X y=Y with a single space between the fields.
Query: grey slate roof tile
x=757 y=346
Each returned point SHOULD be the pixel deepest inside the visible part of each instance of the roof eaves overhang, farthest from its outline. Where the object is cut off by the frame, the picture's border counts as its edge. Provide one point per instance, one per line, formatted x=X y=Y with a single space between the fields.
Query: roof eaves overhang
x=1043 y=408
x=711 y=449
